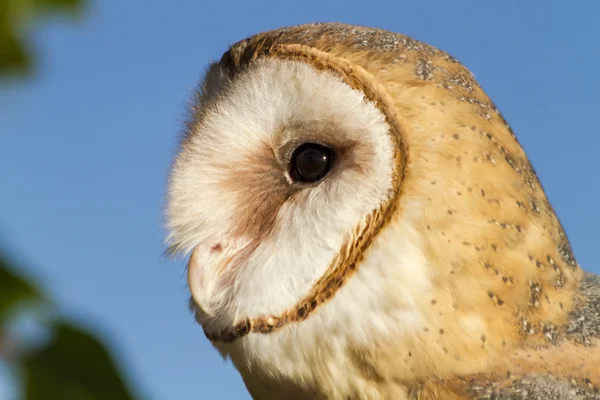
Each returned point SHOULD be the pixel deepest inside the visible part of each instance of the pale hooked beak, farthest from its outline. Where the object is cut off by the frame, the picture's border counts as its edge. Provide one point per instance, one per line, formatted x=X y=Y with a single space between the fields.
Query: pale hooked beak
x=210 y=274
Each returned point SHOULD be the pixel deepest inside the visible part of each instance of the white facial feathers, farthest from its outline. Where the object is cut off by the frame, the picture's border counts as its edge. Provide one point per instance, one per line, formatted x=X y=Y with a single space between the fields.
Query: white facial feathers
x=230 y=183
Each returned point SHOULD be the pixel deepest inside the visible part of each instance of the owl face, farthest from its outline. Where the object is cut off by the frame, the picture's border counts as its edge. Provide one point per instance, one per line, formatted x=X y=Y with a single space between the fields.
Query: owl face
x=282 y=166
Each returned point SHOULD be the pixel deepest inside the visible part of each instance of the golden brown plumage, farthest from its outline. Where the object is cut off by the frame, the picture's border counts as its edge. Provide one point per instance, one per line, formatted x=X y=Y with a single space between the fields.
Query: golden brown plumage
x=508 y=312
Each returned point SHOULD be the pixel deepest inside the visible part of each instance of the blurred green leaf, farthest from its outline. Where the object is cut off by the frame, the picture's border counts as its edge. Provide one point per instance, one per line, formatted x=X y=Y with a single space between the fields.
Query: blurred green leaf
x=62 y=5
x=73 y=365
x=14 y=289
x=14 y=59
x=15 y=22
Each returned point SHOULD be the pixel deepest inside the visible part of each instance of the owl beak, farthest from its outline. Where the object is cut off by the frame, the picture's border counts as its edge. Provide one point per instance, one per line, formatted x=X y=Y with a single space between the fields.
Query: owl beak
x=203 y=277
x=210 y=273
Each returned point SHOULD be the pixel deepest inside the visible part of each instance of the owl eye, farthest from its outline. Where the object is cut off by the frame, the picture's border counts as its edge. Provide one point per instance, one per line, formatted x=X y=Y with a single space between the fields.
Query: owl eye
x=311 y=162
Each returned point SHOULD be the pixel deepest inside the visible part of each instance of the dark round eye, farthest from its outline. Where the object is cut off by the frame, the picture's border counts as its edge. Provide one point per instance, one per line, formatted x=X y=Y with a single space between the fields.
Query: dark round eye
x=311 y=162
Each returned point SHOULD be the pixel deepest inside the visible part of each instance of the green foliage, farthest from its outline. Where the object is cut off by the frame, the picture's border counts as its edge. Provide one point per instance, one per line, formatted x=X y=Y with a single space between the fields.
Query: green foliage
x=72 y=364
x=16 y=20
x=13 y=290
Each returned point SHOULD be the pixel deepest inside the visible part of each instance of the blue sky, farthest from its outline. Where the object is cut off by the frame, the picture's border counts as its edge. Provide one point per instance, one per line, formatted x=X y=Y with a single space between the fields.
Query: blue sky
x=85 y=147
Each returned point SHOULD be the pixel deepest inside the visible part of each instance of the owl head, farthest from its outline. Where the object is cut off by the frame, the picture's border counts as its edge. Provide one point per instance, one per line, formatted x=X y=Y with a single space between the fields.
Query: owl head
x=344 y=186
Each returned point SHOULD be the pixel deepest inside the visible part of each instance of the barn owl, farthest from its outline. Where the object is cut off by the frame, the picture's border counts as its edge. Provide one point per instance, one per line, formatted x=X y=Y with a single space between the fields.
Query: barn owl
x=362 y=223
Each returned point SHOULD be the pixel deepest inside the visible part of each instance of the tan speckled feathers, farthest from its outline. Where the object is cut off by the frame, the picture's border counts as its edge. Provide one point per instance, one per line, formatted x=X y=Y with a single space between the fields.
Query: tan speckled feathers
x=497 y=247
